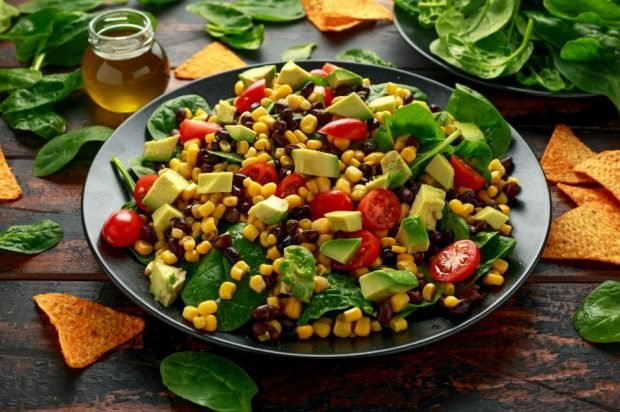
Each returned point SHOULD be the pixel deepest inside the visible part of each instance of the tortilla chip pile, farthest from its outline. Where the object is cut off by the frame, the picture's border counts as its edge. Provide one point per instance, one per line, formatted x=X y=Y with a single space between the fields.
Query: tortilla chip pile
x=591 y=231
x=214 y=58
x=87 y=330
x=338 y=15
x=9 y=188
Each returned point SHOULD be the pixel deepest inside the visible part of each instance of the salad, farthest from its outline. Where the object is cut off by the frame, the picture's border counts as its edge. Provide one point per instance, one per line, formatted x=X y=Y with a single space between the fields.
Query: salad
x=313 y=204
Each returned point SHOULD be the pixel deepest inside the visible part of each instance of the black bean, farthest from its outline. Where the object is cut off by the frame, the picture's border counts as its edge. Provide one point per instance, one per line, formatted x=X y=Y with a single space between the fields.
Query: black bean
x=462 y=308
x=434 y=236
x=206 y=168
x=180 y=114
x=307 y=89
x=451 y=194
x=446 y=237
x=384 y=312
x=367 y=147
x=148 y=234
x=187 y=210
x=236 y=191
x=285 y=242
x=291 y=227
x=363 y=95
x=408 y=98
x=179 y=223
x=301 y=212
x=215 y=146
x=232 y=255
x=265 y=332
x=289 y=148
x=372 y=124
x=266 y=312
x=323 y=118
x=472 y=295
x=285 y=171
x=388 y=257
x=393 y=231
x=308 y=236
x=415 y=296
x=507 y=163
x=413 y=141
x=286 y=114
x=343 y=90
x=270 y=281
x=378 y=169
x=418 y=258
x=367 y=170
x=280 y=126
x=405 y=195
x=278 y=139
x=238 y=179
x=278 y=232
x=279 y=106
x=244 y=205
x=317 y=106
x=232 y=215
x=362 y=88
x=287 y=323
x=432 y=251
x=434 y=108
x=173 y=245
x=330 y=148
x=222 y=241
x=246 y=118
x=477 y=226
x=222 y=135
x=470 y=197
x=511 y=190
x=293 y=124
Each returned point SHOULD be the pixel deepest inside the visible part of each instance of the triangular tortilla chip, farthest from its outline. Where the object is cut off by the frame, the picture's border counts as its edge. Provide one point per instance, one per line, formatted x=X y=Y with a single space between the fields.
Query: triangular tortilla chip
x=323 y=22
x=87 y=330
x=590 y=232
x=356 y=9
x=9 y=188
x=564 y=151
x=605 y=169
x=581 y=195
x=214 y=58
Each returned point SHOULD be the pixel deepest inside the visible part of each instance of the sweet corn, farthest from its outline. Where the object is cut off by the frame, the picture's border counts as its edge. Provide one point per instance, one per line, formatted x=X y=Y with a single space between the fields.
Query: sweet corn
x=250 y=232
x=493 y=278
x=258 y=113
x=497 y=166
x=468 y=208
x=294 y=101
x=352 y=315
x=360 y=272
x=504 y=209
x=292 y=307
x=206 y=209
x=408 y=154
x=189 y=192
x=230 y=201
x=227 y=290
x=313 y=186
x=398 y=302
x=408 y=265
x=265 y=269
x=273 y=253
x=177 y=233
x=143 y=247
x=450 y=301
x=448 y=289
x=343 y=185
x=399 y=249
x=398 y=324
x=342 y=329
x=492 y=190
x=282 y=91
x=322 y=225
x=238 y=270
x=320 y=284
x=207 y=307
x=276 y=263
x=260 y=127
x=505 y=229
x=191 y=256
x=190 y=312
x=314 y=144
x=208 y=226
x=341 y=143
x=168 y=257
x=357 y=195
x=304 y=332
x=210 y=323
x=199 y=322
x=375 y=326
x=353 y=174
x=321 y=329
x=203 y=247
x=268 y=189
x=301 y=137
x=273 y=301
x=428 y=292
x=501 y=266
x=294 y=201
x=387 y=242
x=456 y=206
x=239 y=87
x=257 y=283
x=362 y=326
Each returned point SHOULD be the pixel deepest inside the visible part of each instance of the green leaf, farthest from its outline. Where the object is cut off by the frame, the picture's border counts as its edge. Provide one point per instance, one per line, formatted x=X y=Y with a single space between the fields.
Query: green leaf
x=379 y=90
x=31 y=32
x=208 y=380
x=586 y=49
x=68 y=42
x=298 y=52
x=7 y=12
x=276 y=11
x=229 y=19
x=143 y=260
x=434 y=146
x=597 y=319
x=157 y=2
x=204 y=281
x=603 y=12
x=417 y=121
x=249 y=40
x=233 y=158
x=34 y=6
x=492 y=246
x=137 y=165
x=15 y=78
x=164 y=118
x=42 y=120
x=477 y=154
x=31 y=239
x=363 y=56
x=483 y=21
x=454 y=223
x=62 y=149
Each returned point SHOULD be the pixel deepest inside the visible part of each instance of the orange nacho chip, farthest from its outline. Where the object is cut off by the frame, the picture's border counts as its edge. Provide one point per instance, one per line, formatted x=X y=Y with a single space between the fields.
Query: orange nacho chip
x=590 y=232
x=9 y=188
x=323 y=22
x=605 y=169
x=214 y=58
x=87 y=330
x=581 y=195
x=564 y=151
x=356 y=9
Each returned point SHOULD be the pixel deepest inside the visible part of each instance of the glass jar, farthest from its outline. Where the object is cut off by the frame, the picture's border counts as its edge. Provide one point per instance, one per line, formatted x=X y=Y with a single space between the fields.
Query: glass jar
x=125 y=67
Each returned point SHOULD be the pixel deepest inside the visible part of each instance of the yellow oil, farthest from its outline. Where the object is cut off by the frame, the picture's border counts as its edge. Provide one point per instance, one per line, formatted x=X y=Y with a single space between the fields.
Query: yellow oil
x=123 y=86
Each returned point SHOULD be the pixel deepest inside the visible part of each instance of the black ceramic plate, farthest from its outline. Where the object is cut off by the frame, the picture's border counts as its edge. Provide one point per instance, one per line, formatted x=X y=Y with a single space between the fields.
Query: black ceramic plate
x=420 y=39
x=104 y=193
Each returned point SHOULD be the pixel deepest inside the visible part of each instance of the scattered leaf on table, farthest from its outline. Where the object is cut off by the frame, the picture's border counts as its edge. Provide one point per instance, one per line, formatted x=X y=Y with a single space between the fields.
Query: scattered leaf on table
x=363 y=56
x=223 y=15
x=86 y=330
x=605 y=169
x=564 y=151
x=597 y=319
x=212 y=59
x=41 y=120
x=9 y=188
x=73 y=5
x=271 y=10
x=31 y=239
x=248 y=40
x=298 y=52
x=357 y=9
x=581 y=195
x=590 y=232
x=324 y=22
x=17 y=78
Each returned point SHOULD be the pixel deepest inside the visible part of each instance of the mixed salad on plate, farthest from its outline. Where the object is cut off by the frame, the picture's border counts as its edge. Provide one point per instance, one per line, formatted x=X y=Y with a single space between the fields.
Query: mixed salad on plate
x=318 y=203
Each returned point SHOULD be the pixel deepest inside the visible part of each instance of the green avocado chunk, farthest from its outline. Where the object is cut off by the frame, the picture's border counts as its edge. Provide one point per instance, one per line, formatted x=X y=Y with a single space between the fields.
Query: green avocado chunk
x=413 y=235
x=162 y=217
x=258 y=73
x=395 y=168
x=441 y=170
x=379 y=285
x=297 y=271
x=492 y=216
x=166 y=282
x=293 y=75
x=239 y=132
x=378 y=182
x=167 y=187
x=344 y=220
x=384 y=104
x=160 y=150
x=428 y=204
x=315 y=163
x=341 y=250
x=225 y=112
x=340 y=76
x=271 y=210
x=215 y=182
x=351 y=106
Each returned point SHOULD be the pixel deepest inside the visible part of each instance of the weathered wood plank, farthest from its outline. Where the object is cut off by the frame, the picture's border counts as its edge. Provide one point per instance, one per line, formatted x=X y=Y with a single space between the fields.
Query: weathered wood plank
x=525 y=355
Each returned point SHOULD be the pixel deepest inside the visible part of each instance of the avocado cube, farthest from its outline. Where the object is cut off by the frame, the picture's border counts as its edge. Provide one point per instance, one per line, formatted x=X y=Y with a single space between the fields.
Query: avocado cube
x=239 y=132
x=441 y=170
x=312 y=162
x=225 y=112
x=413 y=235
x=379 y=182
x=428 y=204
x=395 y=168
x=162 y=217
x=379 y=285
x=492 y=216
x=351 y=106
x=346 y=221
x=293 y=75
x=271 y=210
x=258 y=73
x=160 y=150
x=341 y=250
x=215 y=182
x=384 y=104
x=166 y=282
x=167 y=187
x=340 y=76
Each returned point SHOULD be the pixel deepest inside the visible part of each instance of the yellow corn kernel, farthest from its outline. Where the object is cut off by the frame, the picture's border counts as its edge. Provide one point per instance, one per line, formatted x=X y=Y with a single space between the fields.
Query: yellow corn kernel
x=265 y=269
x=260 y=127
x=398 y=302
x=304 y=332
x=305 y=224
x=408 y=265
x=313 y=186
x=230 y=201
x=321 y=284
x=273 y=253
x=257 y=283
x=243 y=147
x=314 y=144
x=227 y=290
x=239 y=87
x=268 y=189
x=273 y=301
x=143 y=247
x=238 y=270
x=456 y=206
x=257 y=199
x=492 y=191
x=271 y=239
x=276 y=264
x=168 y=257
x=347 y=156
x=258 y=113
x=189 y=192
x=192 y=154
x=342 y=329
x=357 y=194
x=341 y=143
x=408 y=154
x=322 y=225
x=362 y=326
x=398 y=324
x=496 y=165
x=174 y=163
x=404 y=256
x=301 y=137
x=493 y=278
x=505 y=209
x=501 y=266
x=282 y=91
x=250 y=232
x=376 y=264
x=321 y=329
x=208 y=226
x=254 y=189
x=206 y=209
x=207 y=307
x=450 y=301
x=262 y=144
x=353 y=174
x=448 y=289
x=185 y=170
x=352 y=314
x=501 y=199
x=294 y=201
x=505 y=229
x=323 y=184
x=199 y=322
x=203 y=247
x=303 y=192
x=308 y=124
x=191 y=256
x=292 y=307
x=428 y=291
x=210 y=323
x=468 y=209
x=190 y=312
x=375 y=326
x=293 y=101
x=177 y=233
x=387 y=242
x=399 y=249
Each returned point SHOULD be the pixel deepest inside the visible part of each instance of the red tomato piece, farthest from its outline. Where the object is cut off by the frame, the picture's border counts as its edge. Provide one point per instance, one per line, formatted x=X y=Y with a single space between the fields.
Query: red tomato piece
x=122 y=228
x=380 y=209
x=353 y=129
x=290 y=185
x=367 y=253
x=197 y=129
x=455 y=262
x=330 y=201
x=143 y=185
x=328 y=68
x=465 y=175
x=262 y=173
x=319 y=72
x=326 y=92
x=253 y=94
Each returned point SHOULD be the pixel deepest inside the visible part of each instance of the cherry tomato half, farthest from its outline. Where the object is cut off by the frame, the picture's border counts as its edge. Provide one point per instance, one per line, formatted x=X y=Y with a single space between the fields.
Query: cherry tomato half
x=326 y=92
x=328 y=68
x=330 y=201
x=465 y=175
x=367 y=253
x=253 y=94
x=262 y=173
x=143 y=185
x=455 y=262
x=196 y=129
x=122 y=228
x=353 y=129
x=319 y=72
x=290 y=185
x=380 y=209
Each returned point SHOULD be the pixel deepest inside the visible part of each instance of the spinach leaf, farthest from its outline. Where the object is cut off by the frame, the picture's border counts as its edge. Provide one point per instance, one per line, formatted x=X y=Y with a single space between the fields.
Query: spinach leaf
x=42 y=120
x=298 y=52
x=249 y=40
x=602 y=12
x=417 y=121
x=67 y=44
x=342 y=294
x=469 y=106
x=540 y=71
x=164 y=119
x=437 y=146
x=383 y=138
x=228 y=18
x=18 y=78
x=7 y=12
x=427 y=11
x=62 y=149
x=492 y=246
x=483 y=21
x=143 y=260
x=138 y=166
x=482 y=238
x=208 y=380
x=204 y=281
x=454 y=223
x=232 y=158
x=272 y=10
x=31 y=239
x=413 y=307
x=363 y=56
x=597 y=319
x=378 y=90
x=586 y=49
x=31 y=32
x=477 y=154
x=64 y=5
x=157 y=2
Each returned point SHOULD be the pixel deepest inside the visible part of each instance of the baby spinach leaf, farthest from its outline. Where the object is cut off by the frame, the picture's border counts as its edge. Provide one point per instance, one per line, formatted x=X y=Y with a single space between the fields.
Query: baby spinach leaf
x=62 y=149
x=73 y=5
x=603 y=12
x=413 y=307
x=434 y=146
x=383 y=138
x=586 y=49
x=228 y=18
x=249 y=40
x=233 y=158
x=68 y=42
x=272 y=10
x=363 y=56
x=597 y=319
x=31 y=239
x=204 y=281
x=31 y=32
x=417 y=121
x=481 y=22
x=157 y=2
x=164 y=119
x=540 y=71
x=477 y=154
x=378 y=90
x=208 y=380
x=143 y=260
x=7 y=12
x=492 y=246
x=298 y=52
x=18 y=78
x=140 y=167
x=455 y=224
x=42 y=120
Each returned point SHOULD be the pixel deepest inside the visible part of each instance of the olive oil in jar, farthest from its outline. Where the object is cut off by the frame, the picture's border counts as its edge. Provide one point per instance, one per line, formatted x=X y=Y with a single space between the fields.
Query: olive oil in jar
x=125 y=67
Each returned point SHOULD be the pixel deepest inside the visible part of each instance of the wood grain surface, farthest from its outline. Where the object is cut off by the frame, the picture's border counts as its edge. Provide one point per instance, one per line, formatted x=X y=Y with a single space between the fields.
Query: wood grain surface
x=525 y=356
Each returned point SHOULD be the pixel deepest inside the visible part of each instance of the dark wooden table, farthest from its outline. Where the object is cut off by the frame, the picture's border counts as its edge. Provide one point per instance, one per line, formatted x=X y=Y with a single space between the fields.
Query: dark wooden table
x=525 y=356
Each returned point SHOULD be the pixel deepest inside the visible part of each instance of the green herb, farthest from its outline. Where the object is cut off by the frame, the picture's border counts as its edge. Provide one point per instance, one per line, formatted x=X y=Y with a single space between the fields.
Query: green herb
x=540 y=71
x=143 y=260
x=7 y=12
x=164 y=118
x=18 y=78
x=227 y=18
x=73 y=5
x=31 y=239
x=208 y=380
x=42 y=120
x=233 y=158
x=249 y=40
x=298 y=52
x=272 y=10
x=597 y=319
x=586 y=49
x=363 y=56
x=62 y=149
x=414 y=307
x=141 y=167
